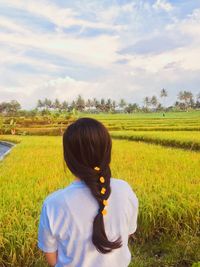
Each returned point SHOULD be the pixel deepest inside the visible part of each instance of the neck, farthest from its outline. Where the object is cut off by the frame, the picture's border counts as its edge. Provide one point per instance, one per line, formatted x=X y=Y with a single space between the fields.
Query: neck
x=77 y=179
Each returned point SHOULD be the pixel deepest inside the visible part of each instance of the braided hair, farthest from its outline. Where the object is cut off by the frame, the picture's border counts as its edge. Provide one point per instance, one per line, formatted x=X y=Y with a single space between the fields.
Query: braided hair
x=87 y=152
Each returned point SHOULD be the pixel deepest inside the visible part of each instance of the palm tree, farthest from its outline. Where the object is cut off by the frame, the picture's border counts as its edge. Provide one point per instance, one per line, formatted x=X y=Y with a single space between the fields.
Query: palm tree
x=88 y=103
x=102 y=104
x=108 y=104
x=163 y=94
x=40 y=104
x=130 y=108
x=73 y=105
x=47 y=103
x=147 y=102
x=186 y=97
x=113 y=105
x=50 y=104
x=98 y=105
x=64 y=105
x=13 y=107
x=80 y=103
x=122 y=103
x=197 y=105
x=154 y=101
x=57 y=104
x=94 y=102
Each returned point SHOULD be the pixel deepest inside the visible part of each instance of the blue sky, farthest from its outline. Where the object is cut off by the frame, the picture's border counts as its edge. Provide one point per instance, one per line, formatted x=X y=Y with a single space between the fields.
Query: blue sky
x=111 y=49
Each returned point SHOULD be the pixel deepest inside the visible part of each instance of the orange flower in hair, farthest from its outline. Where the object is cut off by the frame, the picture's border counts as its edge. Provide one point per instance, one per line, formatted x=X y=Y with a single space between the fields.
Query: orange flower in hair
x=105 y=202
x=103 y=190
x=97 y=168
x=102 y=180
x=104 y=212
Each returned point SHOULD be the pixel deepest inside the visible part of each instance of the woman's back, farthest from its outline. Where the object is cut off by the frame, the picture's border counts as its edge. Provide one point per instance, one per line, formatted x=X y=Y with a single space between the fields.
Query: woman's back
x=66 y=225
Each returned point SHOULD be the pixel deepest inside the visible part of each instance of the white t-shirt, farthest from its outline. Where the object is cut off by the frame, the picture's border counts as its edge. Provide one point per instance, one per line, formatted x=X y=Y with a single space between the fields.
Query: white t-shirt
x=66 y=222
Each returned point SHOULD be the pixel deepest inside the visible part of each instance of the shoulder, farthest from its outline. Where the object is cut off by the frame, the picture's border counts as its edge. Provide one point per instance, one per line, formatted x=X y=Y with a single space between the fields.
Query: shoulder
x=53 y=198
x=59 y=197
x=125 y=187
x=120 y=183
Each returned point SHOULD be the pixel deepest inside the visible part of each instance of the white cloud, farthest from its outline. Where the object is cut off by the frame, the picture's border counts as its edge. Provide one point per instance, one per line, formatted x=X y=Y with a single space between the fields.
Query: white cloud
x=124 y=75
x=98 y=51
x=185 y=55
x=61 y=17
x=162 y=5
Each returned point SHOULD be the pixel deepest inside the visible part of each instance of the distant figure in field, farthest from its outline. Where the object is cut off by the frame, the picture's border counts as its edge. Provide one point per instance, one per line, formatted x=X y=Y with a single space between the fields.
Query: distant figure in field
x=88 y=223
x=163 y=114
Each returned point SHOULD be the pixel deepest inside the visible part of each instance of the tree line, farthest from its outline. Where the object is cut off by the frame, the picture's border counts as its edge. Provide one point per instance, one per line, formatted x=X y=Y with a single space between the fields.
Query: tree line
x=185 y=101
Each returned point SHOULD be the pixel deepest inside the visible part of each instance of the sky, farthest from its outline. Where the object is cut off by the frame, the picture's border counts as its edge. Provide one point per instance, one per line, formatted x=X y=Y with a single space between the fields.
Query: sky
x=102 y=49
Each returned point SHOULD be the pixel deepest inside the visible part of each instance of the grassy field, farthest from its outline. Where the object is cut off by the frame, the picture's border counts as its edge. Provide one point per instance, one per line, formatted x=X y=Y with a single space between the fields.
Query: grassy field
x=179 y=139
x=181 y=121
x=166 y=181
x=48 y=125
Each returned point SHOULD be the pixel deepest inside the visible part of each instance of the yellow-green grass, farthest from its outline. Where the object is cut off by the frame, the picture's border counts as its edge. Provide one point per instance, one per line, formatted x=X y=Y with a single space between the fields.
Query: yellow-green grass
x=47 y=130
x=48 y=125
x=152 y=124
x=181 y=139
x=165 y=180
x=177 y=121
x=142 y=115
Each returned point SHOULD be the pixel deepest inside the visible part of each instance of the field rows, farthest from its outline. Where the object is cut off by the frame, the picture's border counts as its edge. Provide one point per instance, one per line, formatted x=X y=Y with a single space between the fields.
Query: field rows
x=165 y=180
x=183 y=139
x=57 y=130
x=181 y=121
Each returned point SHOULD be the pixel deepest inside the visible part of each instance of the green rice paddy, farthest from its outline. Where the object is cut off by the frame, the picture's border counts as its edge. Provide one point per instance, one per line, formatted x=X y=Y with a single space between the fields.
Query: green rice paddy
x=165 y=179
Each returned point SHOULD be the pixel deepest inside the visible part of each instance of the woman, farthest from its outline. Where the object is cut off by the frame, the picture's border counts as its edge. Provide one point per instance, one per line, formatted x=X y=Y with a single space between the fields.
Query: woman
x=87 y=224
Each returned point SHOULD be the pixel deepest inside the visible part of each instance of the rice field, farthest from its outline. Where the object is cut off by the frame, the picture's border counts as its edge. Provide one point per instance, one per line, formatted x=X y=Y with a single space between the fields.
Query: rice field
x=48 y=125
x=180 y=121
x=179 y=139
x=166 y=181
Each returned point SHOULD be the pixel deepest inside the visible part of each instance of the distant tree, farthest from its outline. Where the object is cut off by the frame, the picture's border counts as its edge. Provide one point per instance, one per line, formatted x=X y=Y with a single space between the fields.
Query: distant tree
x=187 y=98
x=64 y=105
x=197 y=104
x=3 y=107
x=45 y=103
x=160 y=108
x=45 y=112
x=32 y=112
x=108 y=105
x=88 y=103
x=180 y=105
x=147 y=102
x=98 y=105
x=102 y=104
x=163 y=94
x=122 y=103
x=130 y=108
x=154 y=101
x=49 y=104
x=13 y=107
x=113 y=105
x=56 y=104
x=40 y=104
x=94 y=102
x=80 y=103
x=72 y=106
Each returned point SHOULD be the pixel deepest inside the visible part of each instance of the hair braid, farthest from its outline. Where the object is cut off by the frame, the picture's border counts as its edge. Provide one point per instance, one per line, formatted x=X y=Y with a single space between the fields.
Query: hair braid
x=86 y=143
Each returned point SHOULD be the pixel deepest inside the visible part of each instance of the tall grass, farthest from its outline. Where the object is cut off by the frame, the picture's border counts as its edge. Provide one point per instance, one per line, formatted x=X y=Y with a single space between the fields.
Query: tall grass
x=165 y=180
x=187 y=140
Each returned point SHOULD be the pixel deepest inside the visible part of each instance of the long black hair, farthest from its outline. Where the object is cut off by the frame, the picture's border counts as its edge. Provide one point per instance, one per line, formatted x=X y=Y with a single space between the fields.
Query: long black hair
x=87 y=144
